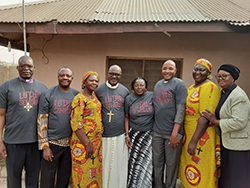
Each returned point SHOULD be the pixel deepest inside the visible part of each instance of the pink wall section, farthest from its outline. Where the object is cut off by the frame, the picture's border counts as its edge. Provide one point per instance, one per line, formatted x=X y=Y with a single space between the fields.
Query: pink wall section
x=89 y=52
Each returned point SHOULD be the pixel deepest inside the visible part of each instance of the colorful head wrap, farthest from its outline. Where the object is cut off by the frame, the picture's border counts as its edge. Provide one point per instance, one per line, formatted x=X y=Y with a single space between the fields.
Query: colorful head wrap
x=206 y=64
x=233 y=70
x=86 y=75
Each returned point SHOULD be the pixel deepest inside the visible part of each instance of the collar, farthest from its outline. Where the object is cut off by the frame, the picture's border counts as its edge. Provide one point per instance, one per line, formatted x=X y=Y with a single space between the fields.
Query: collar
x=110 y=86
x=166 y=81
x=27 y=81
x=230 y=88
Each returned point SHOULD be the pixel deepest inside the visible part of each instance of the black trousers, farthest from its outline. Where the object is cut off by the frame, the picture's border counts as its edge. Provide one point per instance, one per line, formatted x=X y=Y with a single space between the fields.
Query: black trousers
x=19 y=157
x=60 y=167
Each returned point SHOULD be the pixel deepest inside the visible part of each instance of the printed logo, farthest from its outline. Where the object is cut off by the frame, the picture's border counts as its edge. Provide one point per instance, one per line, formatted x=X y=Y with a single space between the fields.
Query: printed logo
x=62 y=106
x=142 y=107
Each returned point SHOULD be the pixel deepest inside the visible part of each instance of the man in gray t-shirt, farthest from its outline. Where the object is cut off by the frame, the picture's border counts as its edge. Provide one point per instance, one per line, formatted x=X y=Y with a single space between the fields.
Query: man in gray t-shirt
x=115 y=151
x=169 y=104
x=54 y=130
x=18 y=116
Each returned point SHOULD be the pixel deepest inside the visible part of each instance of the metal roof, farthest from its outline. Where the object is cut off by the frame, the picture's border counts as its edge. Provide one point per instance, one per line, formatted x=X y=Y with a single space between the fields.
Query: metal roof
x=224 y=10
x=147 y=11
x=129 y=11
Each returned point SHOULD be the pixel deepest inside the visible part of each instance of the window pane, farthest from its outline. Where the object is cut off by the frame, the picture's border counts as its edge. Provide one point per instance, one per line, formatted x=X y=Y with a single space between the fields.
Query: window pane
x=130 y=70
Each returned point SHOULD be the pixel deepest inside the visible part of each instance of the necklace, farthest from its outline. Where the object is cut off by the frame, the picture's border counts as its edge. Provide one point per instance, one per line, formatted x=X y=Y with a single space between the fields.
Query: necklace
x=110 y=114
x=27 y=106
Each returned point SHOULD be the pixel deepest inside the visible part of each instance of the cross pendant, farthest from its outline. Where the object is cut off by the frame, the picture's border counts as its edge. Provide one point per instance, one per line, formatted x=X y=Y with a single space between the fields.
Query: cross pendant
x=28 y=106
x=110 y=115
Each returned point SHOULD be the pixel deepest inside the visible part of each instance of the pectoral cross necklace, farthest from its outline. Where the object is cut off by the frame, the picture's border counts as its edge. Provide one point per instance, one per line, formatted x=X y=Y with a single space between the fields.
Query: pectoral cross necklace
x=27 y=106
x=110 y=114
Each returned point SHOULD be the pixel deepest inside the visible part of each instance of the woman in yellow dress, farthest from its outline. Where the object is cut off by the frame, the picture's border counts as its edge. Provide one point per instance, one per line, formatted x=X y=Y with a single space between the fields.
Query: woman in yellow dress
x=86 y=141
x=200 y=158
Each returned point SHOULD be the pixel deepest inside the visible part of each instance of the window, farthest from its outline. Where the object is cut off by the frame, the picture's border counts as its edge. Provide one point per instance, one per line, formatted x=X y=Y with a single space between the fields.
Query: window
x=147 y=67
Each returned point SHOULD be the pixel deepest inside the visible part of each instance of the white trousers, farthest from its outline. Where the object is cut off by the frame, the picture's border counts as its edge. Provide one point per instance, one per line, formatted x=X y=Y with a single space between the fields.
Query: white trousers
x=114 y=162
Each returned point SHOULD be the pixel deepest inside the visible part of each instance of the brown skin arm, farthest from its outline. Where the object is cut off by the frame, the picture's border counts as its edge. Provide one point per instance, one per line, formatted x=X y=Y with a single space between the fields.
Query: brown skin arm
x=211 y=117
x=200 y=130
x=174 y=140
x=3 y=153
x=84 y=139
x=48 y=154
x=126 y=124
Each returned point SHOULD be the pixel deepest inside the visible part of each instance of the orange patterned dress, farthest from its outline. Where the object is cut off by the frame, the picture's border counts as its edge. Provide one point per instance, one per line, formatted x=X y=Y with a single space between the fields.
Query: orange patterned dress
x=86 y=114
x=201 y=169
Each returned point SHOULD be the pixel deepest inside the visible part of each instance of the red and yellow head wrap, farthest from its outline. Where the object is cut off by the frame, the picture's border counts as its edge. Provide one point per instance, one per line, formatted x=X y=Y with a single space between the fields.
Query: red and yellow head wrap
x=206 y=64
x=87 y=74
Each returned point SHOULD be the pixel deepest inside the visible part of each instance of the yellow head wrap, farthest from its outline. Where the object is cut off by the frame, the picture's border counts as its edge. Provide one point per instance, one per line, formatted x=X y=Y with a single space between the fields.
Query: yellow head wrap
x=87 y=74
x=206 y=64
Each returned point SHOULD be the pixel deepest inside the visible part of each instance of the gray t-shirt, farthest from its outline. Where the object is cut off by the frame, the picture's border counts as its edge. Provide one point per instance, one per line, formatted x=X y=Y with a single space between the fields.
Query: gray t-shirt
x=112 y=100
x=57 y=104
x=140 y=111
x=167 y=96
x=20 y=124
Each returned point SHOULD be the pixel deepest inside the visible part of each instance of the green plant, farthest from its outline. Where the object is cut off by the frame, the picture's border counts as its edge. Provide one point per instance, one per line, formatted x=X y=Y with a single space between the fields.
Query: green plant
x=2 y=162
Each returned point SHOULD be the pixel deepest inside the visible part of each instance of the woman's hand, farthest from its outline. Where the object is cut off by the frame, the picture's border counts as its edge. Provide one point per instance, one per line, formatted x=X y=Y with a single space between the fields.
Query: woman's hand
x=191 y=147
x=210 y=116
x=89 y=150
x=128 y=141
x=174 y=141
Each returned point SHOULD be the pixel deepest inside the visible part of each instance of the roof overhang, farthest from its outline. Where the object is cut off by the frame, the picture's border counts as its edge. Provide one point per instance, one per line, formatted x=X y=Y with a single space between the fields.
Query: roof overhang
x=13 y=31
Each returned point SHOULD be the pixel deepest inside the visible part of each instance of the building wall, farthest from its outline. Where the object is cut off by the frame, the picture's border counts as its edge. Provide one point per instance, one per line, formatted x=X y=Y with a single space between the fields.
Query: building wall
x=89 y=52
x=7 y=73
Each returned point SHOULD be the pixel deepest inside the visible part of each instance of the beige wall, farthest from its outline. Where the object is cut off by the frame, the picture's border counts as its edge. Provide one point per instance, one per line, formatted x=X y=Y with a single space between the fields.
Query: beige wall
x=7 y=73
x=88 y=52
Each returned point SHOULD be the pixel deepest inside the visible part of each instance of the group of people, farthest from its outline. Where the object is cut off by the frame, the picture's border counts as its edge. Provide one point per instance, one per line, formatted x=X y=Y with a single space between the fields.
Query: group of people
x=106 y=137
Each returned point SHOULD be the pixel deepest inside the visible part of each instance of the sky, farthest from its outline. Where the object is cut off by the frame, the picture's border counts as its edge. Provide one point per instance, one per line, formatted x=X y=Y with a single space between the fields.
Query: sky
x=13 y=55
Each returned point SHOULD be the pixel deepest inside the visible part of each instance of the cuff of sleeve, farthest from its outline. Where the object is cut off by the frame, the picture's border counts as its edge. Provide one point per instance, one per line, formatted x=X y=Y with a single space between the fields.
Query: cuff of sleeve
x=44 y=145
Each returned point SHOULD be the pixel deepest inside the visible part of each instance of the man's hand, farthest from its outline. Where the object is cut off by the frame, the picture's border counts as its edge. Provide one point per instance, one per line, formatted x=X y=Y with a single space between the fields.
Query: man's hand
x=3 y=153
x=174 y=141
x=48 y=155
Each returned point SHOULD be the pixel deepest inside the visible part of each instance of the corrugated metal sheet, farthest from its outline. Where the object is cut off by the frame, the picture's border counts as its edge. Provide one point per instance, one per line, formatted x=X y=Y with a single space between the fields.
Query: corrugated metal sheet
x=127 y=11
x=224 y=10
x=147 y=11
x=62 y=10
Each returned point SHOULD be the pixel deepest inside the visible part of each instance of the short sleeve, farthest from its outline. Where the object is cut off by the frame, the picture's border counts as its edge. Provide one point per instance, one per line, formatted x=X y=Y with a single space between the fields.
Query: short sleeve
x=76 y=113
x=3 y=97
x=126 y=106
x=181 y=93
x=43 y=104
x=209 y=97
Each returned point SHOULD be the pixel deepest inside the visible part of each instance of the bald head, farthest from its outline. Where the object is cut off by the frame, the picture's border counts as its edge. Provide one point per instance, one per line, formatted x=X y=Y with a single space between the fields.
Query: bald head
x=65 y=68
x=114 y=75
x=169 y=62
x=25 y=59
x=115 y=67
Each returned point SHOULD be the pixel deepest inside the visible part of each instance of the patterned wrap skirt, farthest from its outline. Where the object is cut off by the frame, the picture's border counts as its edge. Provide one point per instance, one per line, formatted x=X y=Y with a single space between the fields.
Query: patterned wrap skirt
x=140 y=165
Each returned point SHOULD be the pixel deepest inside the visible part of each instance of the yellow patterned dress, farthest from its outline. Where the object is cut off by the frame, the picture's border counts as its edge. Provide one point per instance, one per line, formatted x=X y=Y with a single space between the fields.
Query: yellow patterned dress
x=86 y=114
x=201 y=169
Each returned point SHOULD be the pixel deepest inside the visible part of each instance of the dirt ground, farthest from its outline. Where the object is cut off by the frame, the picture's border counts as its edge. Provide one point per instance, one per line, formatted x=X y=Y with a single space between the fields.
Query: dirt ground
x=3 y=183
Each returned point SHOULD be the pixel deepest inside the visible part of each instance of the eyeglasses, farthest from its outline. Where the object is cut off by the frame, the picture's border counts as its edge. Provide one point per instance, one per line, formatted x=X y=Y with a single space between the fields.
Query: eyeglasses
x=222 y=76
x=114 y=74
x=137 y=86
x=26 y=66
